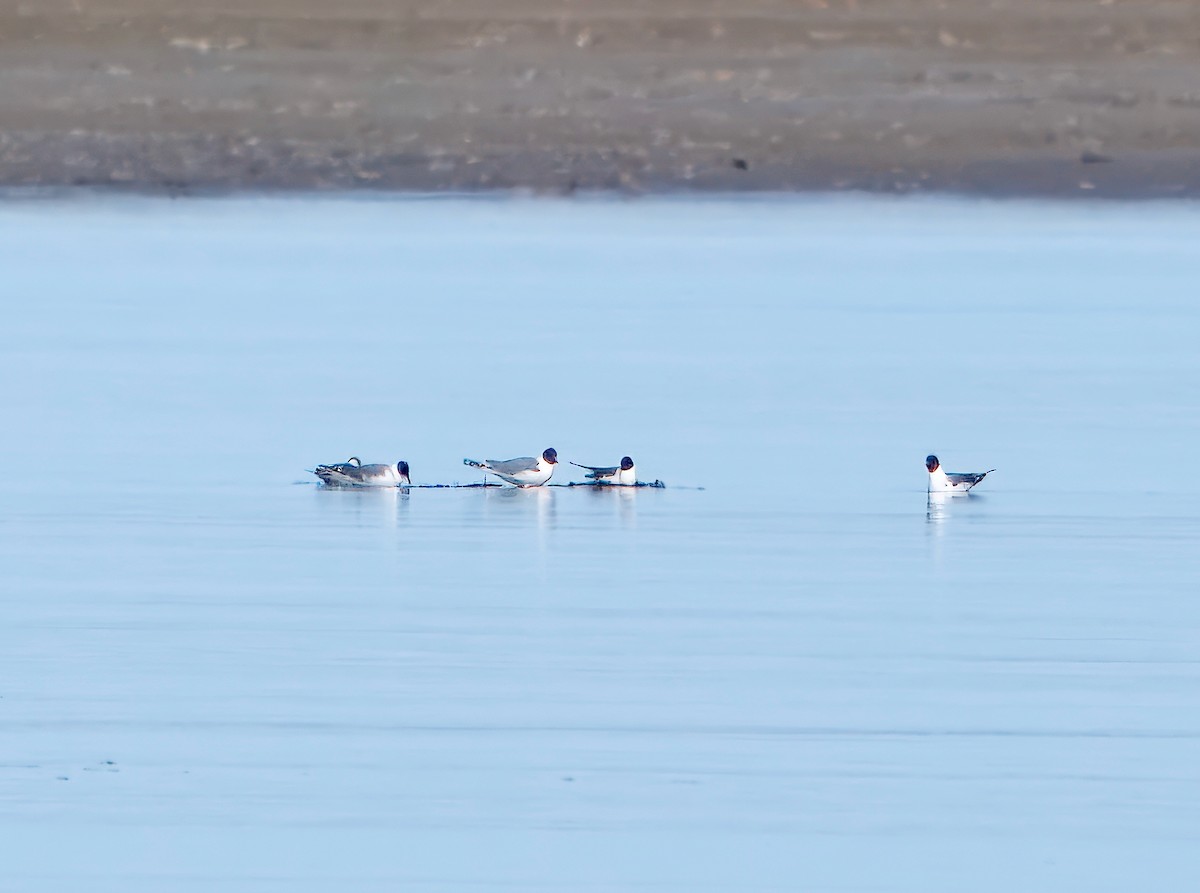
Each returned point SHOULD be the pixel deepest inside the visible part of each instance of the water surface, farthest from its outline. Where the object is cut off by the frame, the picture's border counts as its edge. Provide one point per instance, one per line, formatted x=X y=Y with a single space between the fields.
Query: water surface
x=215 y=674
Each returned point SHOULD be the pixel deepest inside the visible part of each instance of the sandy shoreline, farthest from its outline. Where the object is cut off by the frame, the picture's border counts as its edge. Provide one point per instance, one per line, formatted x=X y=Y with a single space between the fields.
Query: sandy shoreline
x=1071 y=98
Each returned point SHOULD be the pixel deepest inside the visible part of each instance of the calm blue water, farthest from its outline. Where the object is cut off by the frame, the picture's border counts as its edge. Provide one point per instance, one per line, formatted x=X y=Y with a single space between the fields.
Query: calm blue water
x=216 y=675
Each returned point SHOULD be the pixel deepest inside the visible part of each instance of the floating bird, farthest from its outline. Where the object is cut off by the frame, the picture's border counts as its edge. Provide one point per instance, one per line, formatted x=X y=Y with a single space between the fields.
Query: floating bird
x=353 y=473
x=525 y=471
x=624 y=475
x=954 y=484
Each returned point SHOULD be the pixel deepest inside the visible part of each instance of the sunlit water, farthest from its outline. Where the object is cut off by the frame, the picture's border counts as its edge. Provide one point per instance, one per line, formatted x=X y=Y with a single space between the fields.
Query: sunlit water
x=216 y=675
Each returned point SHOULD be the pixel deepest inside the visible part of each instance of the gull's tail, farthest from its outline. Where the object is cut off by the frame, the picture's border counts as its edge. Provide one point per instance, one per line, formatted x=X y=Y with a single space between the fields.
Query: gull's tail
x=596 y=472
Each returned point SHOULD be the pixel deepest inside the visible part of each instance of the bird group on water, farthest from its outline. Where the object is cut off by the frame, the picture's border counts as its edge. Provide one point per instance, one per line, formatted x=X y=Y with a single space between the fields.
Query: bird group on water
x=524 y=471
x=528 y=471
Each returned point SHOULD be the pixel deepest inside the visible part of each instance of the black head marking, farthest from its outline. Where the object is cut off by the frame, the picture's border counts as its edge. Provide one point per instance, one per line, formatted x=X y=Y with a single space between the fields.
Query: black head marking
x=931 y=464
x=626 y=463
x=551 y=456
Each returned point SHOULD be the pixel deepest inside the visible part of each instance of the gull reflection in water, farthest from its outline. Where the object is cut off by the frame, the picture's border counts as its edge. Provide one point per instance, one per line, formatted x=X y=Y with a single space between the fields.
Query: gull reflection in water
x=535 y=501
x=367 y=506
x=936 y=510
x=624 y=498
x=939 y=507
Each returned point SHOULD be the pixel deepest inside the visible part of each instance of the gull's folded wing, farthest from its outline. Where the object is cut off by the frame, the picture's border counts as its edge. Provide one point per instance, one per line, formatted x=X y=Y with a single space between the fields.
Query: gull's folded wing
x=599 y=472
x=971 y=479
x=513 y=466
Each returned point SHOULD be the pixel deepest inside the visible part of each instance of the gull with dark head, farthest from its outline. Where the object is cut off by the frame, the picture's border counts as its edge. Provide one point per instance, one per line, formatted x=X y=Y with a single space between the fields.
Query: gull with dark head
x=623 y=475
x=354 y=474
x=951 y=483
x=524 y=471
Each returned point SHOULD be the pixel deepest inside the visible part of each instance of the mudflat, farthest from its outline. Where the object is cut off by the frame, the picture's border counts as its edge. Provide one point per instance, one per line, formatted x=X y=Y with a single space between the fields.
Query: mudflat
x=999 y=97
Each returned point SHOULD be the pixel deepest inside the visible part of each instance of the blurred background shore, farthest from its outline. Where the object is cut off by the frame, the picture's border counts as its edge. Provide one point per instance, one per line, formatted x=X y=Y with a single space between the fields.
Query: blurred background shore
x=990 y=97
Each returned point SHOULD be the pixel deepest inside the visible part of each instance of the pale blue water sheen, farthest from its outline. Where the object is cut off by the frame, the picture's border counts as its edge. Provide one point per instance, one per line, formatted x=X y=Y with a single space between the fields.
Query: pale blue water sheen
x=797 y=678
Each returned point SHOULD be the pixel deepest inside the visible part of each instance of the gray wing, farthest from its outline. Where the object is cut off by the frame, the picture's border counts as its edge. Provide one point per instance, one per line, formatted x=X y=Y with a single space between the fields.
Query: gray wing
x=598 y=472
x=367 y=471
x=513 y=466
x=972 y=478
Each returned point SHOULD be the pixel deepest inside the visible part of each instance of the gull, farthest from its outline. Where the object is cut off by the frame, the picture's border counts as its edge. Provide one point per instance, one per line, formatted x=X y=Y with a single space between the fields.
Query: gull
x=524 y=471
x=352 y=473
x=954 y=484
x=623 y=475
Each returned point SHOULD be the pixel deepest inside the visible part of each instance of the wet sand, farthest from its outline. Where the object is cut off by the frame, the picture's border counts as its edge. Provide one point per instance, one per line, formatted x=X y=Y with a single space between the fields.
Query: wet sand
x=1063 y=98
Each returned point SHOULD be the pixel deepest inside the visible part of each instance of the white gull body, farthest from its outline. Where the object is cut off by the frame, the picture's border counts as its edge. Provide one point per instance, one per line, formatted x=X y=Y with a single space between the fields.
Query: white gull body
x=524 y=471
x=951 y=483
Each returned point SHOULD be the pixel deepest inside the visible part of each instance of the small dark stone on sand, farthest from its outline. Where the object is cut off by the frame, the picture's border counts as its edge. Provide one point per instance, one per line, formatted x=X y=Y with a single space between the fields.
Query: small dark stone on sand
x=741 y=164
x=1090 y=157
